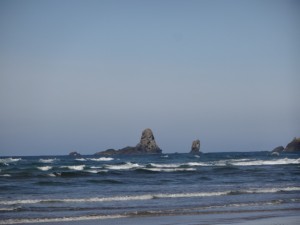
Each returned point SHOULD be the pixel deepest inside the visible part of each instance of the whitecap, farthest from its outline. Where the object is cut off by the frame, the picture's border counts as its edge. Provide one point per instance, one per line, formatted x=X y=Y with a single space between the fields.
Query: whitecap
x=170 y=169
x=9 y=160
x=125 y=166
x=284 y=161
x=79 y=167
x=81 y=159
x=44 y=168
x=165 y=165
x=102 y=159
x=5 y=175
x=47 y=160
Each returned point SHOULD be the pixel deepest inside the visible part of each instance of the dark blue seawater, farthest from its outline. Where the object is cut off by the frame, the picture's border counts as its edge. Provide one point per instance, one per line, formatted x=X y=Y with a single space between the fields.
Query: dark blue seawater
x=62 y=188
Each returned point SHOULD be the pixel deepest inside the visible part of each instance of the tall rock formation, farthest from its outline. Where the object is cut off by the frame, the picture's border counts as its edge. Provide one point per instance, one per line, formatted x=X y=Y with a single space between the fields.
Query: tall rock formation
x=293 y=146
x=147 y=143
x=195 y=149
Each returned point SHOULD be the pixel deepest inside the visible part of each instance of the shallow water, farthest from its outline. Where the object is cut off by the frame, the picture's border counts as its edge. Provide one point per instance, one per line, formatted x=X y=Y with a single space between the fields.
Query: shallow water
x=62 y=188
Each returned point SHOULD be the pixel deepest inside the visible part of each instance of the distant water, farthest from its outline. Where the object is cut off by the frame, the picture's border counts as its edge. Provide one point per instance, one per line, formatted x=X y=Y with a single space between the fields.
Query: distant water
x=62 y=188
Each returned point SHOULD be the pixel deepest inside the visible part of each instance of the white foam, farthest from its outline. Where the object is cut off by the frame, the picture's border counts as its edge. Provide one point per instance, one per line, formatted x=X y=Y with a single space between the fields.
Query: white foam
x=170 y=169
x=51 y=175
x=150 y=196
x=5 y=175
x=62 y=219
x=8 y=209
x=47 y=160
x=284 y=161
x=79 y=167
x=271 y=190
x=9 y=160
x=44 y=168
x=81 y=159
x=197 y=164
x=102 y=159
x=165 y=165
x=125 y=166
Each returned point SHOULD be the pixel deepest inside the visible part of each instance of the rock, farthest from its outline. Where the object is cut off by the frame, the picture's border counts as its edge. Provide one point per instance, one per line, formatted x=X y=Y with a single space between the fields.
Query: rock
x=147 y=145
x=278 y=149
x=293 y=146
x=195 y=149
x=107 y=152
x=74 y=154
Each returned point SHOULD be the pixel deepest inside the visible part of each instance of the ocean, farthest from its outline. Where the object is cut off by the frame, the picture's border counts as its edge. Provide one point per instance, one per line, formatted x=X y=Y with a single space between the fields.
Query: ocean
x=42 y=189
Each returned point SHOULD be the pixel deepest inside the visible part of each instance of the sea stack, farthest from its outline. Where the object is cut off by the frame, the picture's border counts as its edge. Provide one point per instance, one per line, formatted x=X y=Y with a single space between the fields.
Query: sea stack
x=293 y=146
x=147 y=143
x=195 y=149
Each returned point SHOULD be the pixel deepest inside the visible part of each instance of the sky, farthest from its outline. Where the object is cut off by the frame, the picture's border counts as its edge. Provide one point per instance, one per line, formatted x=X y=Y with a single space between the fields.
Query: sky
x=91 y=75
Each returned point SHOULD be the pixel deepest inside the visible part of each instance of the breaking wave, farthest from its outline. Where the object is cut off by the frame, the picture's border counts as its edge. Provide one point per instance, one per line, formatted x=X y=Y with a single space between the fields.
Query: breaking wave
x=78 y=168
x=47 y=160
x=151 y=196
x=125 y=166
x=102 y=159
x=62 y=219
x=44 y=168
x=9 y=160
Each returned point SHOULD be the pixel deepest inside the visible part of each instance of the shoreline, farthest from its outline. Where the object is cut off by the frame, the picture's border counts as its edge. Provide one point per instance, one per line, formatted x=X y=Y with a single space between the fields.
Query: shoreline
x=290 y=217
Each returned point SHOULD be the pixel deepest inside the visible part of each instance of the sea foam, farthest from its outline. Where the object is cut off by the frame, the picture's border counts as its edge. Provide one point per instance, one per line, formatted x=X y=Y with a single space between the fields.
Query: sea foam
x=102 y=159
x=152 y=196
x=44 y=168
x=125 y=166
x=78 y=168
x=47 y=160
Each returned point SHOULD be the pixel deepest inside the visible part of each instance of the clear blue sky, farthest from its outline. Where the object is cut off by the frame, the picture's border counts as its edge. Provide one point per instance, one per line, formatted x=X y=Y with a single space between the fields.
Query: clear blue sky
x=91 y=75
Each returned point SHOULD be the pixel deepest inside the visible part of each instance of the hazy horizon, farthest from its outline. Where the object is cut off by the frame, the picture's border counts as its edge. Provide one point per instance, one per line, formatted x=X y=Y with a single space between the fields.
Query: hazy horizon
x=91 y=75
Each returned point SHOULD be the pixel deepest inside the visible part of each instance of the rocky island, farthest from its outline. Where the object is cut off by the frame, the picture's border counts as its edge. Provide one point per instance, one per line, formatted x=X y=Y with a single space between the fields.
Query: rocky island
x=74 y=154
x=147 y=145
x=293 y=146
x=195 y=149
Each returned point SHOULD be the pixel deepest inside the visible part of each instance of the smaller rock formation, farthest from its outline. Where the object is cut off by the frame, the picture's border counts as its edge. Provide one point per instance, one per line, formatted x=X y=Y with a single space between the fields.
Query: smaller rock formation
x=195 y=147
x=293 y=146
x=278 y=149
x=74 y=154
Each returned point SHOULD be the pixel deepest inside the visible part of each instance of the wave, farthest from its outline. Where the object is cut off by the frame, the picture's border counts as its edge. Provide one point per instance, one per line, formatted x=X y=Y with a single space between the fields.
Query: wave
x=44 y=168
x=47 y=160
x=5 y=175
x=169 y=169
x=81 y=159
x=125 y=166
x=165 y=165
x=61 y=219
x=9 y=160
x=284 y=161
x=152 y=196
x=102 y=159
x=78 y=168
